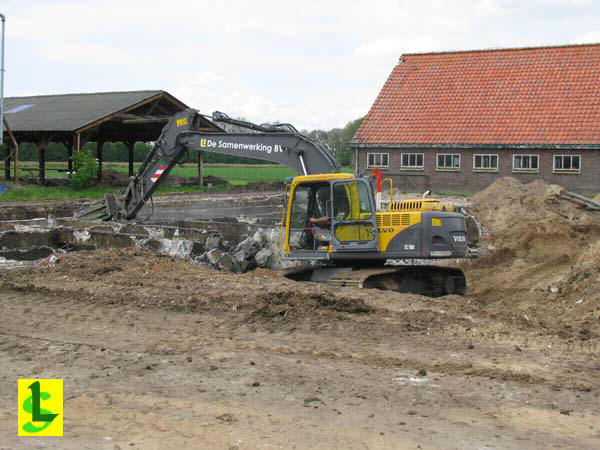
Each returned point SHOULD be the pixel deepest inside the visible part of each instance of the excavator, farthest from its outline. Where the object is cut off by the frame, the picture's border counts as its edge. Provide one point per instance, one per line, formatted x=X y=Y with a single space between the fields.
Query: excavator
x=330 y=220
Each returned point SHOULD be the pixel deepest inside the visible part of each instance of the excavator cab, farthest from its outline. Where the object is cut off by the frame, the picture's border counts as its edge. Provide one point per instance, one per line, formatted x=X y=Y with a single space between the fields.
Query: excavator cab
x=330 y=213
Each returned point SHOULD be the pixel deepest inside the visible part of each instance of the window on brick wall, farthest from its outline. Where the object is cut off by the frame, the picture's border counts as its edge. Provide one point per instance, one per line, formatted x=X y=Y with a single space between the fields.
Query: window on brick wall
x=447 y=162
x=412 y=161
x=526 y=163
x=378 y=159
x=485 y=163
x=567 y=164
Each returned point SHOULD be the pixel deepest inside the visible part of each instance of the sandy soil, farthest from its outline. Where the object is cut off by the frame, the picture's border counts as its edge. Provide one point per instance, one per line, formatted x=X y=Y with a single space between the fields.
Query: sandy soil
x=159 y=353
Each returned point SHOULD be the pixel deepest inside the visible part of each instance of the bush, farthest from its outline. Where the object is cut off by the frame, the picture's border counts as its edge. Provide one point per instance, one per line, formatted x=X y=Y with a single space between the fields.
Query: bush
x=85 y=170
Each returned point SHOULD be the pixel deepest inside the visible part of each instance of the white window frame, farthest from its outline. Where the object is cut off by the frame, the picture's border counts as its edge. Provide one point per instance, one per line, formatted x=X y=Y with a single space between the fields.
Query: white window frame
x=447 y=169
x=416 y=167
x=381 y=166
x=525 y=170
x=486 y=169
x=576 y=171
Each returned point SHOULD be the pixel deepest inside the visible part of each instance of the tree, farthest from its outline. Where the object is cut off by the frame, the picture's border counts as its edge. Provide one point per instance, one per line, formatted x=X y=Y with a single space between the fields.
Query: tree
x=338 y=140
x=85 y=169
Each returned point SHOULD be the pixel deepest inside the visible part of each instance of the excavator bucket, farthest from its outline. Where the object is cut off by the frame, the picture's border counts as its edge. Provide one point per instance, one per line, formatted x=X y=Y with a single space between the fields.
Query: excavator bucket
x=106 y=209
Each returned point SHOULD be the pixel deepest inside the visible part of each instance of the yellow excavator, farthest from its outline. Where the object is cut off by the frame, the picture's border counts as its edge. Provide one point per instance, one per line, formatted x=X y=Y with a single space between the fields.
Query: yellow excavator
x=330 y=219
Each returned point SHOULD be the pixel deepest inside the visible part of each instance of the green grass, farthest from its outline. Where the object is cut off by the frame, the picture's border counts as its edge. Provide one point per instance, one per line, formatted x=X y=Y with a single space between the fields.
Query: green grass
x=29 y=192
x=235 y=174
x=453 y=194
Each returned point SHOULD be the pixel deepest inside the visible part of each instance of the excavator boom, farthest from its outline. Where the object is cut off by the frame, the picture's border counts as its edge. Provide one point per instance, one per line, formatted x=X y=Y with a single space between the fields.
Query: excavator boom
x=280 y=144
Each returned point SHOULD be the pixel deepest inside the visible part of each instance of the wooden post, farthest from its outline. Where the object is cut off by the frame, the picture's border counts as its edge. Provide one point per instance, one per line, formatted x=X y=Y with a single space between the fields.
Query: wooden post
x=201 y=167
x=16 y=147
x=7 y=162
x=16 y=144
x=99 y=146
x=69 y=145
x=130 y=155
x=42 y=160
x=16 y=153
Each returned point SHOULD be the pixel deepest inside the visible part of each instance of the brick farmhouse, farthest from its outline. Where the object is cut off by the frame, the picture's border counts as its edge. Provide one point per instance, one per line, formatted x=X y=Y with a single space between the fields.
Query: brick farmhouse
x=455 y=121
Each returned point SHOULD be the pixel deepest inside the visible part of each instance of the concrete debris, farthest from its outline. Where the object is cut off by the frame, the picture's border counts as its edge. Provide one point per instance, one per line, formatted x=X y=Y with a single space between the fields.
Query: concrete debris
x=226 y=263
x=262 y=257
x=249 y=247
x=81 y=236
x=176 y=247
x=254 y=251
x=212 y=242
x=216 y=246
x=213 y=256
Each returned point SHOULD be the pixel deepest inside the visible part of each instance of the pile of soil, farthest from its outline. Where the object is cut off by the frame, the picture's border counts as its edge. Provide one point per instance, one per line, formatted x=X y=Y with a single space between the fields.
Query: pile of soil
x=145 y=279
x=540 y=263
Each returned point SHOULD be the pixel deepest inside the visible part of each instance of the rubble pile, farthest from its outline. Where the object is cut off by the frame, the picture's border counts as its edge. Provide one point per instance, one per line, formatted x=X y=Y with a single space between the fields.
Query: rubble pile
x=252 y=252
x=212 y=244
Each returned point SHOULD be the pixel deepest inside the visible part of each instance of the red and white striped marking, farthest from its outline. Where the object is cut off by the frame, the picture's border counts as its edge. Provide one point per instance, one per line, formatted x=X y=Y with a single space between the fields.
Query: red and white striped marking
x=156 y=175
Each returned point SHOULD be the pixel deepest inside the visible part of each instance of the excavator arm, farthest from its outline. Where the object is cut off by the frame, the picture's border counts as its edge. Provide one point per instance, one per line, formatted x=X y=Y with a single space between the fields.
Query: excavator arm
x=281 y=144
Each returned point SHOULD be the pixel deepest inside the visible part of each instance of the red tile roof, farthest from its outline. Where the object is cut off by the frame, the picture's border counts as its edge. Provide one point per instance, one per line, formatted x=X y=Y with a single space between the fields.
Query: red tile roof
x=538 y=95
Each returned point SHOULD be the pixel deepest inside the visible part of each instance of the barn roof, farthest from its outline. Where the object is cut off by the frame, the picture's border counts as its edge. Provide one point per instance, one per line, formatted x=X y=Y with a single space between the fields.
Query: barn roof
x=132 y=115
x=518 y=96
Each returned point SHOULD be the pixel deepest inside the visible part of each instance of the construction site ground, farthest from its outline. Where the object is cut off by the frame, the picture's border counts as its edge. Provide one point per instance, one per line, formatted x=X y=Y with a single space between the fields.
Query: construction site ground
x=157 y=352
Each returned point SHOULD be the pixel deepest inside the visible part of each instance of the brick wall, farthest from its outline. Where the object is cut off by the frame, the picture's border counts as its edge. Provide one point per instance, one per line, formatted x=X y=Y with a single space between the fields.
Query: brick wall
x=466 y=180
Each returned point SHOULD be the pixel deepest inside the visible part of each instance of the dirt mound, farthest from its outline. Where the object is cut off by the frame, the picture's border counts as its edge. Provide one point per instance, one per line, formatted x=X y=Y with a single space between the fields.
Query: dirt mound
x=140 y=278
x=529 y=221
x=540 y=256
x=279 y=302
x=507 y=201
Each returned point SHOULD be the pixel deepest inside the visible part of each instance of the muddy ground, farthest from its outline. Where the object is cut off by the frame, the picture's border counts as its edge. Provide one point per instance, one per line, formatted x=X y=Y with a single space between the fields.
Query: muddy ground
x=159 y=353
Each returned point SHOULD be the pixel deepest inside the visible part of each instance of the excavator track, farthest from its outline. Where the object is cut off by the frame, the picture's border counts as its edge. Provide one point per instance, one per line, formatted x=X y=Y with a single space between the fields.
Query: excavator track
x=432 y=281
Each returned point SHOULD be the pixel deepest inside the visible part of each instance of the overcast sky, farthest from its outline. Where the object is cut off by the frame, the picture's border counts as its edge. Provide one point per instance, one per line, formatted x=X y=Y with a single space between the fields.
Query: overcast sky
x=316 y=64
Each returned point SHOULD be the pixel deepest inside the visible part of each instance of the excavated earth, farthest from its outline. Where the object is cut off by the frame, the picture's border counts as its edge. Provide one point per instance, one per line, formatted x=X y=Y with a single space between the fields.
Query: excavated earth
x=159 y=352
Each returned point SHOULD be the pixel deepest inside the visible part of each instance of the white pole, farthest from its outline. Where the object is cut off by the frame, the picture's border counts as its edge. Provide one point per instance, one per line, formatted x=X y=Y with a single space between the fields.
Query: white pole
x=2 y=83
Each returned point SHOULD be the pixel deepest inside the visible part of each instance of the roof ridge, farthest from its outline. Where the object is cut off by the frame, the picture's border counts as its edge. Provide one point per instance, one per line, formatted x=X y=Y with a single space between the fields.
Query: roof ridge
x=501 y=49
x=87 y=93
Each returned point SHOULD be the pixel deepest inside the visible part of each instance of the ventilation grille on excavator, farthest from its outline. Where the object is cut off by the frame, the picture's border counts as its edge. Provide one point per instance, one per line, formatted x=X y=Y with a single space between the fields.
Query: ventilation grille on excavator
x=406 y=205
x=386 y=220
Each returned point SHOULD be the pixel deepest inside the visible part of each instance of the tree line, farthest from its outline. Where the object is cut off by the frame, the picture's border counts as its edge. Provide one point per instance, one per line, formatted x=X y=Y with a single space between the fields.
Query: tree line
x=337 y=139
